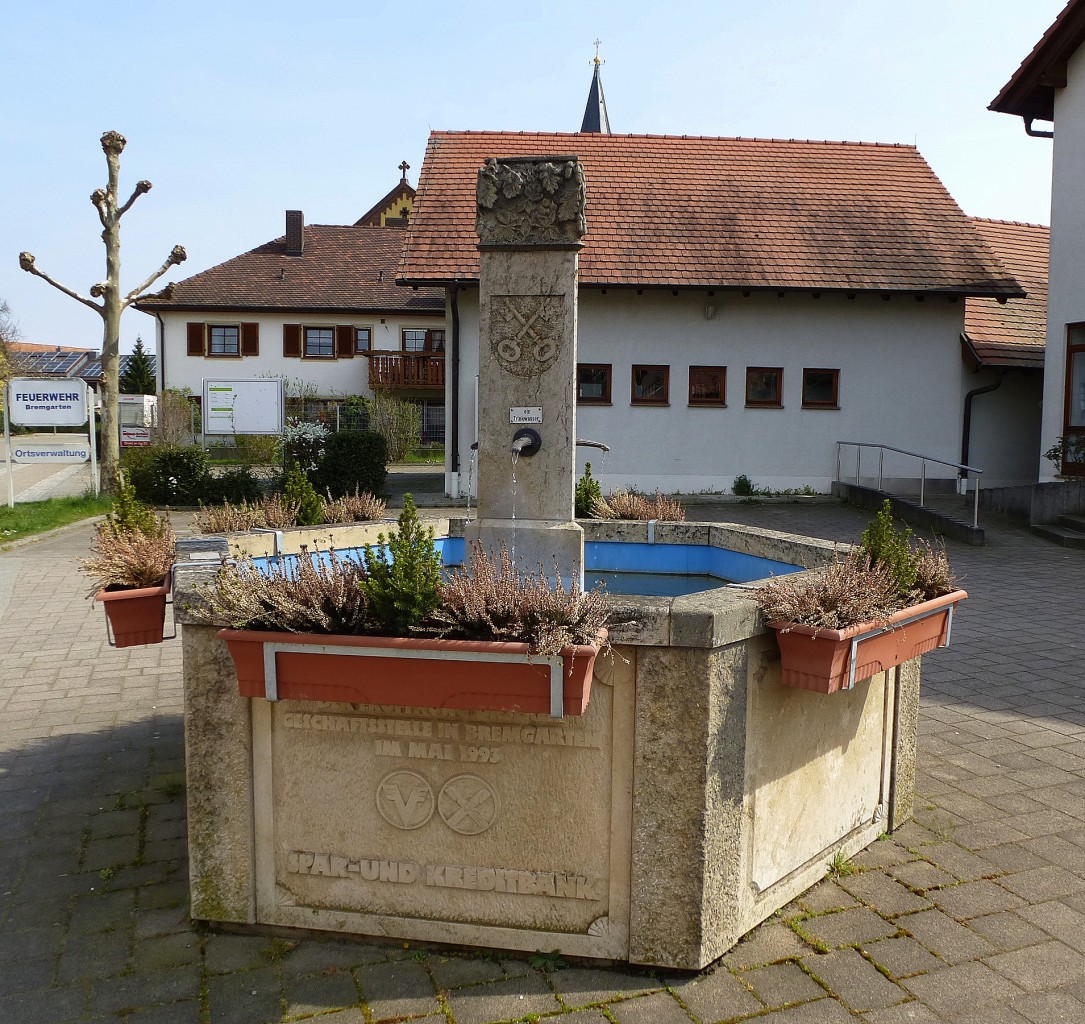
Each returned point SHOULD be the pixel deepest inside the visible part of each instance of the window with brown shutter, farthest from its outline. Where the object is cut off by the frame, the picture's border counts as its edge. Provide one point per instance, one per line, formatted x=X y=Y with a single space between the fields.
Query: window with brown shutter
x=292 y=340
x=250 y=339
x=195 y=339
x=344 y=341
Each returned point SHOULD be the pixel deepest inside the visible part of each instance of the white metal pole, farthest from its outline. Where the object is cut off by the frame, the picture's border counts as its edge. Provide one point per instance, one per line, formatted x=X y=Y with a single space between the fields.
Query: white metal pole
x=7 y=443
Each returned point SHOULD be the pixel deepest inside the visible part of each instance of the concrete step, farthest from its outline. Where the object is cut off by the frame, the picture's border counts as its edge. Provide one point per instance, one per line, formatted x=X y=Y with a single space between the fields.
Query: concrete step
x=1072 y=522
x=925 y=518
x=1068 y=538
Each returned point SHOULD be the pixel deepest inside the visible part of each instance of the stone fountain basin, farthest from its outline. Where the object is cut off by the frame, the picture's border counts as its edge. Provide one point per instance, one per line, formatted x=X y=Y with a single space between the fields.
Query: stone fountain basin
x=695 y=797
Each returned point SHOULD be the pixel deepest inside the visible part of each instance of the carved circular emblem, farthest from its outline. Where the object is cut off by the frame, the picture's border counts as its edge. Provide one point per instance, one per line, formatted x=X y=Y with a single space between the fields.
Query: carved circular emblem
x=467 y=804
x=525 y=332
x=405 y=800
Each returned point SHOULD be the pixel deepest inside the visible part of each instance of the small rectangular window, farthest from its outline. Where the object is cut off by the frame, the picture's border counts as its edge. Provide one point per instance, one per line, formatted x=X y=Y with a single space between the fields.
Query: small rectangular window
x=414 y=340
x=707 y=385
x=764 y=387
x=319 y=343
x=224 y=340
x=363 y=339
x=593 y=383
x=820 y=388
x=650 y=385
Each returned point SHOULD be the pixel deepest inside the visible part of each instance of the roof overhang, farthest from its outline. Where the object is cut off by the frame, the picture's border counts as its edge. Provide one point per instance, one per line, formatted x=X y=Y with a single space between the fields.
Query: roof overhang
x=983 y=355
x=295 y=311
x=1030 y=93
x=1008 y=289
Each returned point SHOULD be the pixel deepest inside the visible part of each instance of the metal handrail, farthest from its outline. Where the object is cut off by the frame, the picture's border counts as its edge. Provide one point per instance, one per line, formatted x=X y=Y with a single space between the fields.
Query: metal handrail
x=962 y=469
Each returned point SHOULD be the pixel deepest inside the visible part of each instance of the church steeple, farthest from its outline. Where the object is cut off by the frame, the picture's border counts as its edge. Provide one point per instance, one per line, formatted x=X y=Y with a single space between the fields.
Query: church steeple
x=595 y=113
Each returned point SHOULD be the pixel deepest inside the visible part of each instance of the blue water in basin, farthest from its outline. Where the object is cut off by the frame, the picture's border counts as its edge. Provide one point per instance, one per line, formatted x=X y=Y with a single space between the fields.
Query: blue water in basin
x=647 y=570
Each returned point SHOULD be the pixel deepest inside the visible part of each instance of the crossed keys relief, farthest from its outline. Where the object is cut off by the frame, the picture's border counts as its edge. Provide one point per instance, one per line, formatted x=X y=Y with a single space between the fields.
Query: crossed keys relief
x=526 y=331
x=466 y=803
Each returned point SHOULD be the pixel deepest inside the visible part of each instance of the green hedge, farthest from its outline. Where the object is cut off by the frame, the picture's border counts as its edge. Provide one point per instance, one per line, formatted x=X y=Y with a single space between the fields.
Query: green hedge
x=352 y=460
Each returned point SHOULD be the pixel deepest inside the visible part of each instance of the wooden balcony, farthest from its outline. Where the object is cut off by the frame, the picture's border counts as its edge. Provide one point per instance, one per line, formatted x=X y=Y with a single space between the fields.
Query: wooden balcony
x=407 y=370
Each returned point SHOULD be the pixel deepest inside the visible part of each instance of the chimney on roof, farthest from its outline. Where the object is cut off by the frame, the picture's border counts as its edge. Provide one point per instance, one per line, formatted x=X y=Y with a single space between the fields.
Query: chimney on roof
x=295 y=232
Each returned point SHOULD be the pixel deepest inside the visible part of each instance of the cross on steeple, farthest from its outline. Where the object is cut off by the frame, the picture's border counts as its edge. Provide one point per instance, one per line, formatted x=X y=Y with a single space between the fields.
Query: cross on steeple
x=595 y=113
x=404 y=168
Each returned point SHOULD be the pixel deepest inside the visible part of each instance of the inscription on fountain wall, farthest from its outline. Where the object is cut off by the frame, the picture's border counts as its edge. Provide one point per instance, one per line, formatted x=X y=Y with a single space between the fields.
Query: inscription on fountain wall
x=424 y=740
x=518 y=881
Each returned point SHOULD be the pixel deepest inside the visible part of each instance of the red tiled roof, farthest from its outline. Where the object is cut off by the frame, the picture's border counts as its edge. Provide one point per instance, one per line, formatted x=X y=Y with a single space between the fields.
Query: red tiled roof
x=1013 y=333
x=30 y=348
x=341 y=269
x=1030 y=93
x=671 y=211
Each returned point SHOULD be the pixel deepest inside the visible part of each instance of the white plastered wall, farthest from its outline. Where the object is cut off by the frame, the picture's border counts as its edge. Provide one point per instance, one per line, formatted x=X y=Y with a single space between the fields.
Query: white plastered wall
x=902 y=382
x=330 y=377
x=1066 y=289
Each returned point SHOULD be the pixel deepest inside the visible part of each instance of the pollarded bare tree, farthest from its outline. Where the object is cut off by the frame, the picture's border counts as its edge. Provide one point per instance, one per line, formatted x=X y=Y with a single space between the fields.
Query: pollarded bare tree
x=113 y=302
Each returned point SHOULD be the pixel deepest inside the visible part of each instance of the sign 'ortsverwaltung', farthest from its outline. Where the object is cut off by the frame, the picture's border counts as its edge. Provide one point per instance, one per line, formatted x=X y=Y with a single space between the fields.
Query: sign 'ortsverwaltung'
x=70 y=453
x=47 y=403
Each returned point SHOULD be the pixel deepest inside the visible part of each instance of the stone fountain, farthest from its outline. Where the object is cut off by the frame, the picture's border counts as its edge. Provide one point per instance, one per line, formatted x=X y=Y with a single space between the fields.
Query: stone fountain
x=695 y=796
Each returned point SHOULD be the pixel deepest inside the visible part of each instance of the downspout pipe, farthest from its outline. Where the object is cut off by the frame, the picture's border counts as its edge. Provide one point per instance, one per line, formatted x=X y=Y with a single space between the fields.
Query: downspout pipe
x=1036 y=133
x=161 y=367
x=966 y=428
x=454 y=411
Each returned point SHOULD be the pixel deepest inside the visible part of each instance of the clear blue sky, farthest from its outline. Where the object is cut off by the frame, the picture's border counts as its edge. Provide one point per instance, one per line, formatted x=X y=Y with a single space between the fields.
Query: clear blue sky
x=238 y=110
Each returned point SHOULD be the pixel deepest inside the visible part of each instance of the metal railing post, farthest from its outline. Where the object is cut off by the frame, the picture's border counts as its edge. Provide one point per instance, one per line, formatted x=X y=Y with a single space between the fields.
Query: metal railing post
x=963 y=471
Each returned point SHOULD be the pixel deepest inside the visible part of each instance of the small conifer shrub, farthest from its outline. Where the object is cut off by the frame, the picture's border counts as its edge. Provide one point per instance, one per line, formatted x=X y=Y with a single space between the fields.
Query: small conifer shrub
x=402 y=586
x=297 y=490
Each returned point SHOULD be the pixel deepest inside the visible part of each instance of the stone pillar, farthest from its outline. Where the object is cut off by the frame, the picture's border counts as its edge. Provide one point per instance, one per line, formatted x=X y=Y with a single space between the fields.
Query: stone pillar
x=530 y=219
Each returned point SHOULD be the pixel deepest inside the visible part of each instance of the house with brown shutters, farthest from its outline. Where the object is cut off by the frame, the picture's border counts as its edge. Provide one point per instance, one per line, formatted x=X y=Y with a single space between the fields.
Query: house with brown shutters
x=744 y=305
x=318 y=307
x=1049 y=87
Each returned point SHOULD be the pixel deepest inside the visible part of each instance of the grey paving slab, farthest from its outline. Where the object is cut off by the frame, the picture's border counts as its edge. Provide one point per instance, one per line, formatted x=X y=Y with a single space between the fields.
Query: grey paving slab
x=717 y=995
x=782 y=984
x=93 y=880
x=480 y=1004
x=660 y=1008
x=855 y=981
x=966 y=987
x=902 y=957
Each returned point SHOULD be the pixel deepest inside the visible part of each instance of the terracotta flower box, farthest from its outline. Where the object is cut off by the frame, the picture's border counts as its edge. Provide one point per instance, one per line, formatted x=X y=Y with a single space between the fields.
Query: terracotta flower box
x=828 y=660
x=136 y=615
x=469 y=675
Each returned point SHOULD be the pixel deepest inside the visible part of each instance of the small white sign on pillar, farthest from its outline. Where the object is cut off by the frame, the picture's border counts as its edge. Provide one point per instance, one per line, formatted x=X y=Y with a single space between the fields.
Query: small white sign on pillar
x=523 y=414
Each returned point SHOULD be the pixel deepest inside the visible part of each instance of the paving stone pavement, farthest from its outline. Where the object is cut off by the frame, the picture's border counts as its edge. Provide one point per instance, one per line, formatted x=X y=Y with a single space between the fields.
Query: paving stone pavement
x=974 y=912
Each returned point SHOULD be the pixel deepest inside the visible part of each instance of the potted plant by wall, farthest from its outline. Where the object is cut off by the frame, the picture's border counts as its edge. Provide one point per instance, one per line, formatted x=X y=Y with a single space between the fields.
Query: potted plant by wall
x=885 y=602
x=131 y=559
x=385 y=628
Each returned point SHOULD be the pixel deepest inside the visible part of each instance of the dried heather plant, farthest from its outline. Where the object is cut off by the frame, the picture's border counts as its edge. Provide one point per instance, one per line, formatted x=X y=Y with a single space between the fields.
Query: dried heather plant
x=359 y=507
x=273 y=512
x=130 y=558
x=629 y=505
x=278 y=511
x=489 y=600
x=318 y=594
x=934 y=576
x=844 y=593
